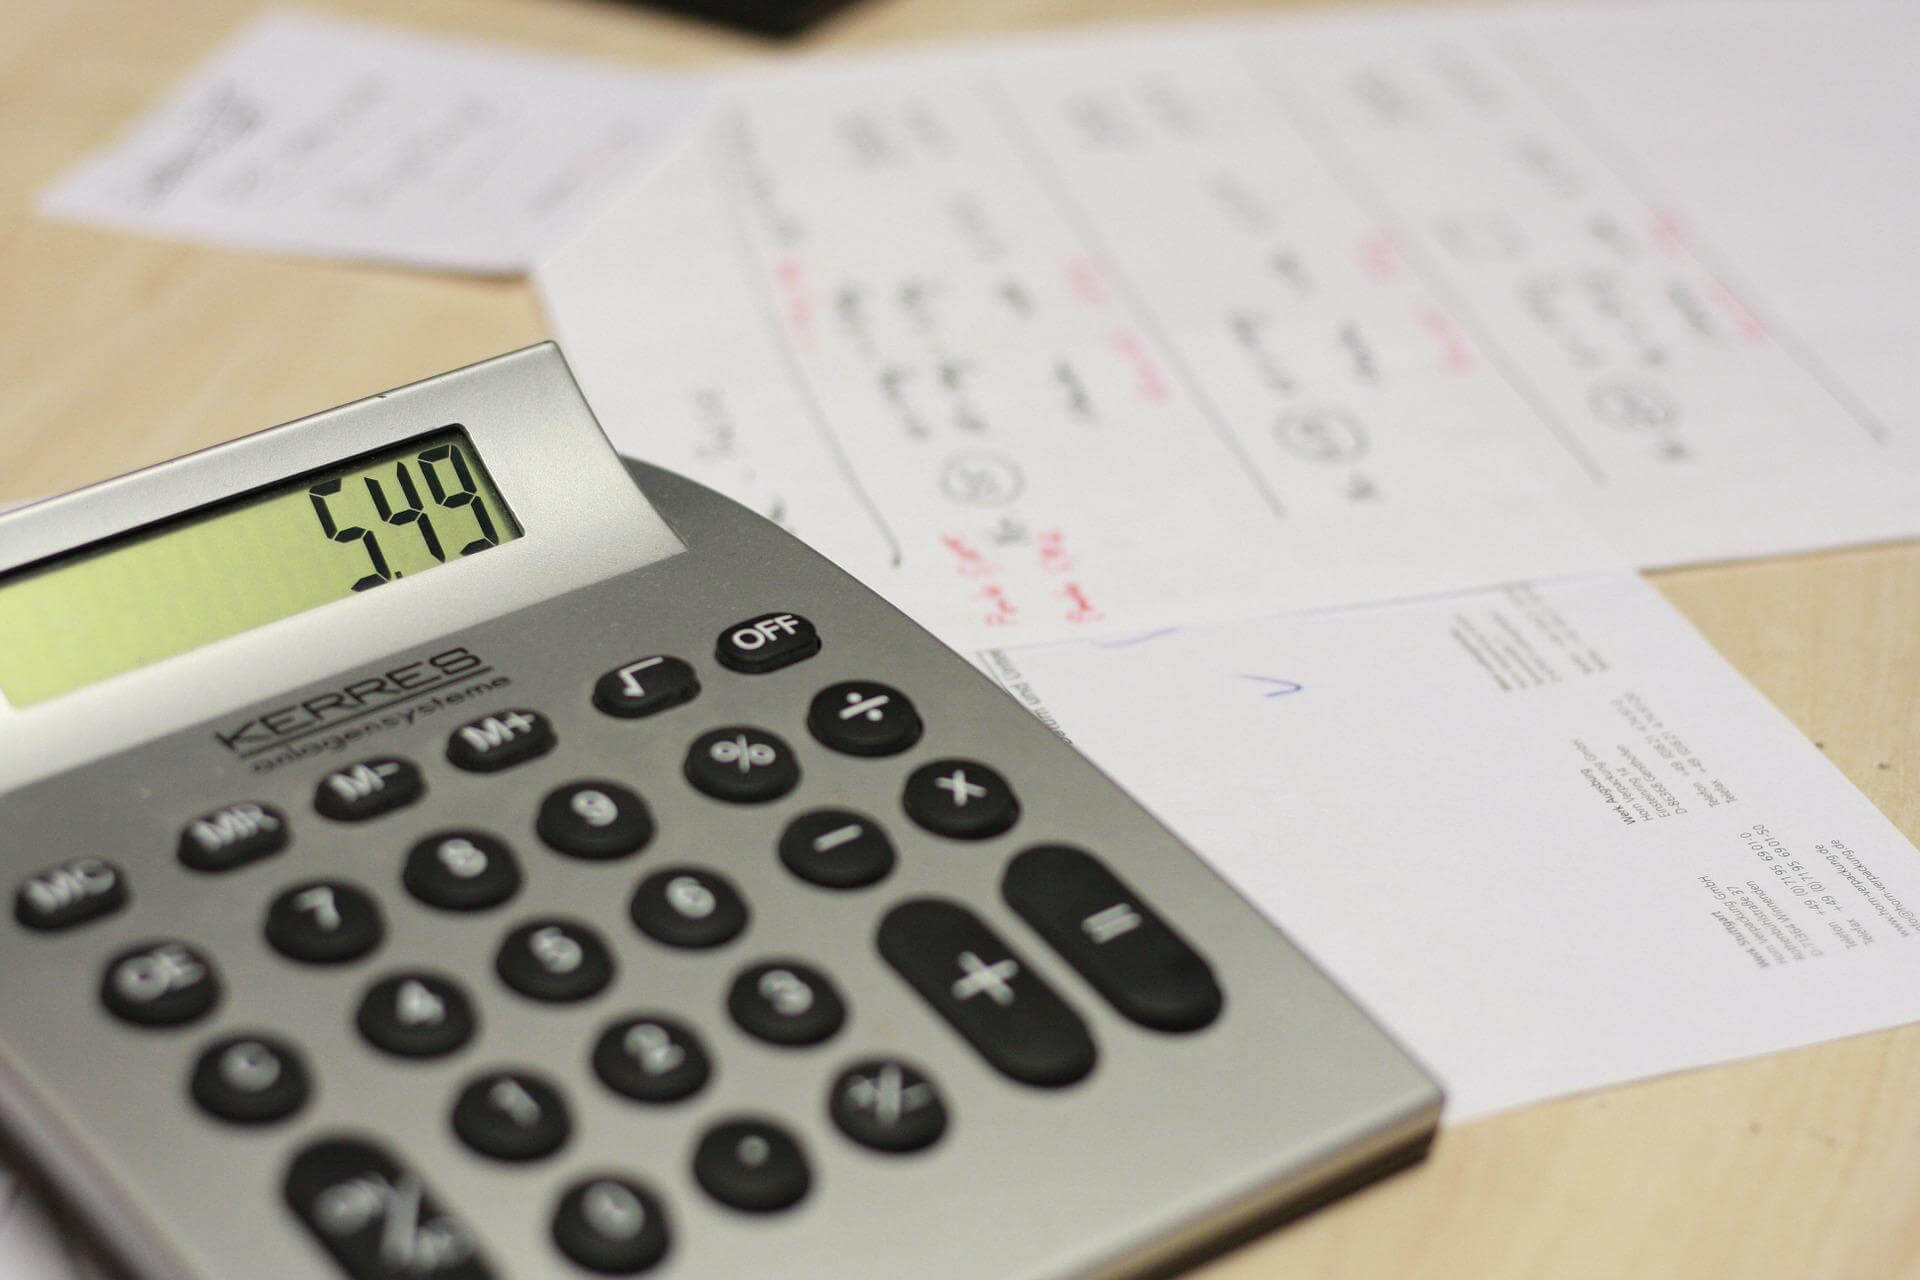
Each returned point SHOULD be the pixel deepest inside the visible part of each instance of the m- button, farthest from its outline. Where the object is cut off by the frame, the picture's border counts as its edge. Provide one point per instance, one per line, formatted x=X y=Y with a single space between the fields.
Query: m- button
x=766 y=643
x=368 y=789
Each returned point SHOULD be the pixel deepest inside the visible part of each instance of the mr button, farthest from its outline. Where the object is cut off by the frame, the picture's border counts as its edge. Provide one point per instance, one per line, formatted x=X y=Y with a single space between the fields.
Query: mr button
x=766 y=643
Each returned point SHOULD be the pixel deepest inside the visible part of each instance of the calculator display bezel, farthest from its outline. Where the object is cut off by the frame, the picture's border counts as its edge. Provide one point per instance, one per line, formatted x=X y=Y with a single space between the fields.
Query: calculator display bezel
x=581 y=516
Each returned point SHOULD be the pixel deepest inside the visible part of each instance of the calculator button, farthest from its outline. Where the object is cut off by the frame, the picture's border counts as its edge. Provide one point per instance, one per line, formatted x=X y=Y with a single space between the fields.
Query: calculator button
x=368 y=789
x=611 y=1225
x=888 y=1105
x=594 y=819
x=786 y=1002
x=500 y=741
x=324 y=922
x=963 y=799
x=836 y=849
x=416 y=1015
x=752 y=1165
x=864 y=718
x=71 y=893
x=375 y=1217
x=555 y=960
x=160 y=984
x=742 y=764
x=988 y=994
x=766 y=643
x=645 y=686
x=232 y=837
x=688 y=907
x=651 y=1059
x=1106 y=931
x=250 y=1080
x=512 y=1115
x=461 y=871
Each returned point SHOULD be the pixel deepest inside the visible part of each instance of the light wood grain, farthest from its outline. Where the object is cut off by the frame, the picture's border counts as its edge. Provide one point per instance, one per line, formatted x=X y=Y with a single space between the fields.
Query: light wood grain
x=118 y=351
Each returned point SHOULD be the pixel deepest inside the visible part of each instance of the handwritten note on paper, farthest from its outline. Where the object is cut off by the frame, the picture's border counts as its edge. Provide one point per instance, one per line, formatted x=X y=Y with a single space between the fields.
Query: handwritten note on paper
x=1089 y=336
x=317 y=135
x=1545 y=832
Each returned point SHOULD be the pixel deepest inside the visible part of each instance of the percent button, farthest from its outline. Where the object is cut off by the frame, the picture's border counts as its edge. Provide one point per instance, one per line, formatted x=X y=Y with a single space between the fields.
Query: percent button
x=864 y=718
x=742 y=764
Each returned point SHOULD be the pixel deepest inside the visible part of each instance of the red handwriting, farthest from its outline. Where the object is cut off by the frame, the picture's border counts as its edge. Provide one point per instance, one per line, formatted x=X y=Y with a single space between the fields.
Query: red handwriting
x=1083 y=609
x=1001 y=610
x=1456 y=353
x=1380 y=257
x=1148 y=379
x=1052 y=546
x=1735 y=308
x=795 y=301
x=968 y=561
x=1669 y=236
x=1085 y=282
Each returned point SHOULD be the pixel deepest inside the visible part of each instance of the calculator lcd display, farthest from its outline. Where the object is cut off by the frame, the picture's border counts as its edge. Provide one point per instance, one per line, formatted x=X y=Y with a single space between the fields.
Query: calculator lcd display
x=272 y=552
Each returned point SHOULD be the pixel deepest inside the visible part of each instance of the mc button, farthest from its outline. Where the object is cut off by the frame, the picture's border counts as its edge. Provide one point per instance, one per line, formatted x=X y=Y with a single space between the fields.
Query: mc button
x=766 y=643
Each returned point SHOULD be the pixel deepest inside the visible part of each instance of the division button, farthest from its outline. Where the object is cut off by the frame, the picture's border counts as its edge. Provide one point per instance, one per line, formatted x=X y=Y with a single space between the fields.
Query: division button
x=232 y=837
x=594 y=819
x=766 y=643
x=864 y=718
x=71 y=893
x=785 y=1002
x=986 y=992
x=368 y=789
x=645 y=686
x=888 y=1105
x=742 y=764
x=688 y=907
x=366 y=1210
x=324 y=922
x=511 y=1115
x=611 y=1225
x=962 y=799
x=416 y=1015
x=753 y=1165
x=1117 y=942
x=836 y=849
x=555 y=960
x=160 y=984
x=461 y=871
x=500 y=741
x=651 y=1058
x=250 y=1079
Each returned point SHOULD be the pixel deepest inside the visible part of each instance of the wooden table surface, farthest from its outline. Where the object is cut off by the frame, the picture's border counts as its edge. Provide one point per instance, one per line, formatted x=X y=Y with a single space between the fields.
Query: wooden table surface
x=118 y=351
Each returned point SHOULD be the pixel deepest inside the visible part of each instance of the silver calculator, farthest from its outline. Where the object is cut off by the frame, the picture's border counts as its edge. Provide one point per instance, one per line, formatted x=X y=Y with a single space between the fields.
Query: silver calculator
x=441 y=850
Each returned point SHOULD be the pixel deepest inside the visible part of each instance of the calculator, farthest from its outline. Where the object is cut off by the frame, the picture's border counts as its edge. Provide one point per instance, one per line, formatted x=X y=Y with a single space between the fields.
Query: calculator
x=443 y=850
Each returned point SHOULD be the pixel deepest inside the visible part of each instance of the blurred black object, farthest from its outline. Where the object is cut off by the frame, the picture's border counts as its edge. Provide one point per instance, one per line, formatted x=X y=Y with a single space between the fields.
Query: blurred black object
x=768 y=17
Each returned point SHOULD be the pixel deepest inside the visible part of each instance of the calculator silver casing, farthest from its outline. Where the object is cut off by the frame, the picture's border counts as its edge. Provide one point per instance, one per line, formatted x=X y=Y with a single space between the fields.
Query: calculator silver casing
x=1174 y=1144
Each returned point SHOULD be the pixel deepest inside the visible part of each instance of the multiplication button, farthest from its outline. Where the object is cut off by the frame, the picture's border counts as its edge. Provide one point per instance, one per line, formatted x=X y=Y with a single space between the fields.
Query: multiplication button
x=864 y=718
x=368 y=788
x=766 y=643
x=233 y=836
x=500 y=741
x=69 y=894
x=960 y=799
x=645 y=686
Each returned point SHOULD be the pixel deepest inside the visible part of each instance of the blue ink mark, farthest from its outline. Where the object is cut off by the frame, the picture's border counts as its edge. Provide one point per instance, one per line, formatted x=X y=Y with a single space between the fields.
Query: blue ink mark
x=1125 y=642
x=1281 y=687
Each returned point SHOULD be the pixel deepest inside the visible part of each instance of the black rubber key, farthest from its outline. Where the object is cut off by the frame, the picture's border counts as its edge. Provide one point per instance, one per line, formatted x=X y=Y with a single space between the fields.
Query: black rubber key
x=250 y=1079
x=461 y=871
x=416 y=1015
x=1117 y=942
x=689 y=907
x=611 y=1225
x=742 y=764
x=512 y=1115
x=785 y=1002
x=888 y=1105
x=232 y=837
x=961 y=799
x=369 y=788
x=594 y=819
x=836 y=849
x=160 y=984
x=753 y=1165
x=500 y=741
x=375 y=1217
x=558 y=961
x=651 y=1058
x=645 y=686
x=986 y=992
x=864 y=718
x=766 y=643
x=324 y=922
x=70 y=894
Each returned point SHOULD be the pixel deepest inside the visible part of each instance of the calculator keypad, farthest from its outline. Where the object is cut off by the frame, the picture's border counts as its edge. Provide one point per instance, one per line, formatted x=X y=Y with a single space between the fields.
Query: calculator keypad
x=70 y=894
x=324 y=922
x=836 y=849
x=416 y=1015
x=376 y=1218
x=160 y=984
x=368 y=788
x=500 y=741
x=595 y=819
x=786 y=1002
x=250 y=1080
x=645 y=687
x=742 y=764
x=960 y=799
x=461 y=871
x=689 y=907
x=864 y=718
x=231 y=837
x=888 y=1105
x=766 y=643
x=512 y=1115
x=614 y=1226
x=651 y=1058
x=555 y=960
x=752 y=1165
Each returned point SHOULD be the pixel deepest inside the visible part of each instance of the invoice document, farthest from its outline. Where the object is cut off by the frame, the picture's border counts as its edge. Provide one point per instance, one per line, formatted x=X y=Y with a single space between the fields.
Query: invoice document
x=1544 y=832
x=1094 y=334
x=318 y=135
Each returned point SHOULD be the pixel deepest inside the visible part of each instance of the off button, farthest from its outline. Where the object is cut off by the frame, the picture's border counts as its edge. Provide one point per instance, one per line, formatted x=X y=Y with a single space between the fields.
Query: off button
x=767 y=643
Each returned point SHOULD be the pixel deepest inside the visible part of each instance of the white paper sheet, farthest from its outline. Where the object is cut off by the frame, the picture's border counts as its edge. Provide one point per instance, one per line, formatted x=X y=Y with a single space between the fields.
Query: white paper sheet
x=1545 y=833
x=1089 y=335
x=318 y=135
